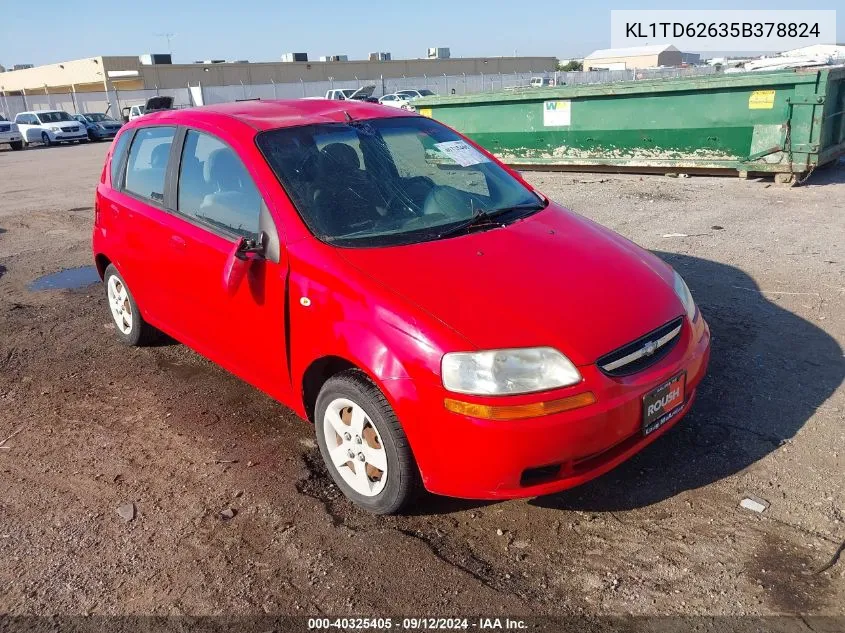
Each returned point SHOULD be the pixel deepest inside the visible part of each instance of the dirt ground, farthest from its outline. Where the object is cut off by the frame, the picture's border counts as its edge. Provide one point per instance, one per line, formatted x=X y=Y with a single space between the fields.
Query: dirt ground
x=97 y=425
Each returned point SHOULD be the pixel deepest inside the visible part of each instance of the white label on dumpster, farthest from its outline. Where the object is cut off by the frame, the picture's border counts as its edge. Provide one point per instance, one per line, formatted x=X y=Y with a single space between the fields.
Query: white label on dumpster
x=557 y=113
x=462 y=153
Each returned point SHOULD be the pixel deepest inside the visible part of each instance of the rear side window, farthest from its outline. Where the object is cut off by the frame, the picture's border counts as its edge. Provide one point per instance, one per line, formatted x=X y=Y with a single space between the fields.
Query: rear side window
x=147 y=165
x=215 y=188
x=117 y=155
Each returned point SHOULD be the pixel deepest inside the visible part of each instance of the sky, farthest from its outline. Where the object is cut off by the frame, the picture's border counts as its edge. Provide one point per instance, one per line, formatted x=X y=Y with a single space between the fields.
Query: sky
x=261 y=30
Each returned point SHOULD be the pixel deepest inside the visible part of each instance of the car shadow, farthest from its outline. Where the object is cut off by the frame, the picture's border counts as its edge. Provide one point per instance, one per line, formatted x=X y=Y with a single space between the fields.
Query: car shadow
x=2 y=268
x=769 y=371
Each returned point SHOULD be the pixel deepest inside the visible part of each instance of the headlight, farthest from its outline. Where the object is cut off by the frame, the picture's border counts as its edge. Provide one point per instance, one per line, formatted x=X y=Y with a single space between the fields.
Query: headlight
x=685 y=296
x=56 y=129
x=507 y=371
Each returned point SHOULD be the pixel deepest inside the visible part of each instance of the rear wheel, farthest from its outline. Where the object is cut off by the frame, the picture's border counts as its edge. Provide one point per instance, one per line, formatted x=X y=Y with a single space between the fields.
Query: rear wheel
x=363 y=445
x=16 y=145
x=129 y=324
x=45 y=138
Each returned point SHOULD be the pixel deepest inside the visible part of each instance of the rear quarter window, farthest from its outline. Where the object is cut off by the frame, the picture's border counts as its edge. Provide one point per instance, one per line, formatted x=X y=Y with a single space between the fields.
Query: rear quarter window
x=146 y=167
x=119 y=151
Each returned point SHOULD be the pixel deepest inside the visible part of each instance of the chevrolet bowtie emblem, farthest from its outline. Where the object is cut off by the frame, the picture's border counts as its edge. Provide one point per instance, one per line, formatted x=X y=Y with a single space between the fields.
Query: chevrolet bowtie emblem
x=649 y=348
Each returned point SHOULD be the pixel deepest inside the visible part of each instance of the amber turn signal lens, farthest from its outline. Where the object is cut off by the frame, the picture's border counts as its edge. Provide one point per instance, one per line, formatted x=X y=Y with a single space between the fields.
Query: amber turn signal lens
x=519 y=411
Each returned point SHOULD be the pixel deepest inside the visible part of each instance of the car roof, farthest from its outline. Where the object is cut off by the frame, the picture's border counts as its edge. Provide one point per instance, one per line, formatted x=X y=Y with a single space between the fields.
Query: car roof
x=272 y=114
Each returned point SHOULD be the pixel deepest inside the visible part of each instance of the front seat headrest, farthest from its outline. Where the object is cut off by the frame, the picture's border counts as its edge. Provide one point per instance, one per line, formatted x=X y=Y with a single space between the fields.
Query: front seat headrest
x=223 y=170
x=340 y=156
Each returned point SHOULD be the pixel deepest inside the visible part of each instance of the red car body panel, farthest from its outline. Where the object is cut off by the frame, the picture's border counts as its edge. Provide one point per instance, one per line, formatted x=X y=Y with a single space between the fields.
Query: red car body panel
x=552 y=279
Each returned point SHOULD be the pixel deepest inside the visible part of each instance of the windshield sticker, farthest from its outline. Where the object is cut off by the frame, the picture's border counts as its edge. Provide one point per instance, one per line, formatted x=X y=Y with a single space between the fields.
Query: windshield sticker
x=462 y=153
x=557 y=113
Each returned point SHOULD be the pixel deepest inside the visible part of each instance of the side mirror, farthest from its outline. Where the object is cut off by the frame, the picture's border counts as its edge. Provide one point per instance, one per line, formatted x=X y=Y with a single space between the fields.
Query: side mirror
x=242 y=254
x=267 y=246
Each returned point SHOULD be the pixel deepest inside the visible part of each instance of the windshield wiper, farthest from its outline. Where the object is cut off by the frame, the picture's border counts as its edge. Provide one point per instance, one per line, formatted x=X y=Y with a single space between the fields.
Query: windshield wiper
x=481 y=217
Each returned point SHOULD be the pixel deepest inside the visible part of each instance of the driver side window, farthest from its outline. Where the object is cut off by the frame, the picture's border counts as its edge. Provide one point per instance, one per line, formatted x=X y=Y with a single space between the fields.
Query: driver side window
x=215 y=187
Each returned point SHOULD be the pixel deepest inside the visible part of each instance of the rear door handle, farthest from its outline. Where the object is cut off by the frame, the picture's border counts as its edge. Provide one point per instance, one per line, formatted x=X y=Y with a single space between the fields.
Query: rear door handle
x=177 y=242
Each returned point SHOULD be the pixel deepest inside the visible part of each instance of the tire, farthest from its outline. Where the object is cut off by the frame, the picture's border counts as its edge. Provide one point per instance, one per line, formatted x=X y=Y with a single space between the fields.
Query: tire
x=82 y=141
x=16 y=145
x=45 y=138
x=129 y=324
x=378 y=434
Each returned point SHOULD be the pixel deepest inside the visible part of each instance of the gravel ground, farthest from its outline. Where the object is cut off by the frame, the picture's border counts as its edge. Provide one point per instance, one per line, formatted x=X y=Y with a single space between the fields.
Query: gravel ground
x=97 y=425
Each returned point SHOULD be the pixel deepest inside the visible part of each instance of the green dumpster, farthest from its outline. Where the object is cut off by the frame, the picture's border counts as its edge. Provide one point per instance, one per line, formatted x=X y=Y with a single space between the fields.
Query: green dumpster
x=785 y=122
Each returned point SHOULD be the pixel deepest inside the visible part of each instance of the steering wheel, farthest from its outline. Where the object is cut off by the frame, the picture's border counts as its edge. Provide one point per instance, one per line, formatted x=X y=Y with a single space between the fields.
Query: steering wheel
x=405 y=201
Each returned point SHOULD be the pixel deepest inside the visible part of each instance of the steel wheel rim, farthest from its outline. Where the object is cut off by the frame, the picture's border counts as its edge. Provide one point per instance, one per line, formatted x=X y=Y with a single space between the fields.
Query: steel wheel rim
x=354 y=446
x=121 y=309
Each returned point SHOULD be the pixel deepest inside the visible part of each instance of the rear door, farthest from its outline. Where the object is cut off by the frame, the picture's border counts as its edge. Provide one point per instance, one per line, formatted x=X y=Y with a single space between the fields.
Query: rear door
x=137 y=214
x=217 y=202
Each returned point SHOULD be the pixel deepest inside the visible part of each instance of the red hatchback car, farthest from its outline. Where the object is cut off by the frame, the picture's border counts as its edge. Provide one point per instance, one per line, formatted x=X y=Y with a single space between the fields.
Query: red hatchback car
x=441 y=322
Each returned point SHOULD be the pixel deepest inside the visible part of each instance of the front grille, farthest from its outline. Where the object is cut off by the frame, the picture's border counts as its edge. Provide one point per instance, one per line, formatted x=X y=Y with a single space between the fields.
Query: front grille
x=70 y=129
x=5 y=128
x=643 y=352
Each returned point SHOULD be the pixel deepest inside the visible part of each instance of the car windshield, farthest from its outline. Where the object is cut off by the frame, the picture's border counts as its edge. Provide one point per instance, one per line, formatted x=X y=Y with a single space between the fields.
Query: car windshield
x=425 y=92
x=98 y=117
x=391 y=181
x=54 y=117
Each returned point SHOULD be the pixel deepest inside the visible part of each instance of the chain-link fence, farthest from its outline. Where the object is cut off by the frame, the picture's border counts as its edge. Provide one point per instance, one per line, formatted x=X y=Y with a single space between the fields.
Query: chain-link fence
x=463 y=84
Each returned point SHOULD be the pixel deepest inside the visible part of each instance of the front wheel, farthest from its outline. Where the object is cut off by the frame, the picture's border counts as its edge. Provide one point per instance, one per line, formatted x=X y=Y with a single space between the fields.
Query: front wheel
x=45 y=138
x=16 y=145
x=130 y=325
x=363 y=444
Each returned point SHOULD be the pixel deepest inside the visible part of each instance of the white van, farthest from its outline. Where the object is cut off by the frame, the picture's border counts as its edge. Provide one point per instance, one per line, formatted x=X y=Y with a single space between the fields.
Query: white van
x=50 y=127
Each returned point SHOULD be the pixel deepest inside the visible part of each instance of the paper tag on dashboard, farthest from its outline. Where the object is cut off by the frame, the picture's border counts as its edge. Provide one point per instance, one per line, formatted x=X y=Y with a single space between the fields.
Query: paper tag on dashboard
x=462 y=153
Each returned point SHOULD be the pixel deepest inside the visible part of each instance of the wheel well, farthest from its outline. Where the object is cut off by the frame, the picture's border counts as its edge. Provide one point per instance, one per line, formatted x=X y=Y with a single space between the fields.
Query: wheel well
x=102 y=263
x=316 y=376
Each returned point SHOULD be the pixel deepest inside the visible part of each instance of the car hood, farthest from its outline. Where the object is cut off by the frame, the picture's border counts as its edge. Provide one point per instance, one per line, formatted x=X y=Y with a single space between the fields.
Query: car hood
x=159 y=103
x=552 y=279
x=364 y=92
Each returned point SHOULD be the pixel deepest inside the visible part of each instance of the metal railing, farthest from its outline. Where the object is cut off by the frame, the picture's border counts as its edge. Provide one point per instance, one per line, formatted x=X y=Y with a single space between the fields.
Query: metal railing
x=462 y=84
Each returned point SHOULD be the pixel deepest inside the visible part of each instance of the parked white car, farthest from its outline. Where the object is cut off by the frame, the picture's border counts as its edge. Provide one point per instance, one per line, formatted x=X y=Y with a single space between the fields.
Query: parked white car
x=365 y=93
x=402 y=102
x=50 y=127
x=10 y=134
x=153 y=104
x=416 y=94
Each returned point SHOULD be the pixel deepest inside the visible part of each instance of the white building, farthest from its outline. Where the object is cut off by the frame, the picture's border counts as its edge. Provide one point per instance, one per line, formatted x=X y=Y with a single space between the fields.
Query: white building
x=633 y=57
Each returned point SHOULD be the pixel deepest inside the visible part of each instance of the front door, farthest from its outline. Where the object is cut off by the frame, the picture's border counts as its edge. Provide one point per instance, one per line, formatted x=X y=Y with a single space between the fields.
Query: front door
x=241 y=328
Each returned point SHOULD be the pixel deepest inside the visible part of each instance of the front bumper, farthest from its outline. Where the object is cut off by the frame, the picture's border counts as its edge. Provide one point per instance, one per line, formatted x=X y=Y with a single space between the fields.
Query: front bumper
x=102 y=134
x=10 y=137
x=467 y=457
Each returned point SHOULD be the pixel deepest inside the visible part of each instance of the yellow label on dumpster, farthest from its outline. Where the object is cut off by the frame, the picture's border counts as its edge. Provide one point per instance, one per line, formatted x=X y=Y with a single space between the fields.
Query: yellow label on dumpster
x=761 y=100
x=425 y=112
